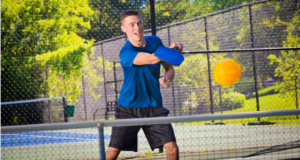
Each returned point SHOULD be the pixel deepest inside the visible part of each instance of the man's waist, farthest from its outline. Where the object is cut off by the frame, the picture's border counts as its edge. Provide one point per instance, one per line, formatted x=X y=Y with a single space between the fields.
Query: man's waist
x=137 y=104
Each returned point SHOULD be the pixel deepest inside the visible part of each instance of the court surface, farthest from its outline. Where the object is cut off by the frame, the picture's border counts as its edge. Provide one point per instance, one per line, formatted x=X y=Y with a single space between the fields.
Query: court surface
x=194 y=141
x=42 y=138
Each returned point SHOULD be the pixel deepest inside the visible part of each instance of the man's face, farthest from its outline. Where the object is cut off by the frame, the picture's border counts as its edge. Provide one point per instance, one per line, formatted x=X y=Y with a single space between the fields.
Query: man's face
x=133 y=27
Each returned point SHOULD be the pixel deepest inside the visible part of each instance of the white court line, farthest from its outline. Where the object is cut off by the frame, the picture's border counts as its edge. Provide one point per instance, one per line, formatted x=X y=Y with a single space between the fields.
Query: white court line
x=47 y=137
x=265 y=156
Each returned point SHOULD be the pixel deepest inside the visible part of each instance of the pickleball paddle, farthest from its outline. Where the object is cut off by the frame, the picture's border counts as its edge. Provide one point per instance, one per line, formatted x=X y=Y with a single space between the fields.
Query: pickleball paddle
x=169 y=55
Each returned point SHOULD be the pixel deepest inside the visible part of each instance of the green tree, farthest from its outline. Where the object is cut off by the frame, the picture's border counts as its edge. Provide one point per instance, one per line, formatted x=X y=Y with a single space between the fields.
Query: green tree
x=170 y=11
x=105 y=22
x=281 y=17
x=43 y=54
x=219 y=4
x=40 y=46
x=268 y=19
x=289 y=61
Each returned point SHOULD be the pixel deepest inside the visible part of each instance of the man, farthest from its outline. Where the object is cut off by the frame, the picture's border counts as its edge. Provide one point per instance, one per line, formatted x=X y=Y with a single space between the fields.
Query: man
x=140 y=95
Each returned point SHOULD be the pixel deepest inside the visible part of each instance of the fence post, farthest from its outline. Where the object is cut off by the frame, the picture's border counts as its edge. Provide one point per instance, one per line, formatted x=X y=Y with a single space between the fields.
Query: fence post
x=153 y=21
x=84 y=102
x=179 y=100
x=115 y=79
x=49 y=110
x=49 y=106
x=101 y=141
x=190 y=104
x=254 y=59
x=208 y=67
x=296 y=89
x=65 y=109
x=220 y=94
x=104 y=78
x=173 y=94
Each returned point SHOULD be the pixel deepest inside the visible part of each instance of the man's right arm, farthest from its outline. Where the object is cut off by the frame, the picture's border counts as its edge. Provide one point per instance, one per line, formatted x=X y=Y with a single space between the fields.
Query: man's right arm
x=143 y=58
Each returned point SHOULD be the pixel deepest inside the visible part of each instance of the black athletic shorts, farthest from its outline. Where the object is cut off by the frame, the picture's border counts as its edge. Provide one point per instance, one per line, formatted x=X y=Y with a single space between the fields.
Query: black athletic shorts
x=125 y=138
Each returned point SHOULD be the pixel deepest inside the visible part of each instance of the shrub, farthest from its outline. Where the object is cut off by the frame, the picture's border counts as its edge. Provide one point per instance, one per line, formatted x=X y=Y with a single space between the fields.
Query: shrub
x=244 y=85
x=266 y=91
x=233 y=100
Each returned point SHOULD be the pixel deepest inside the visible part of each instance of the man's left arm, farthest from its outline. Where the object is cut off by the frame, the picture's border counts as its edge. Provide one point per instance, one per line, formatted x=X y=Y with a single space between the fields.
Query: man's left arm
x=169 y=76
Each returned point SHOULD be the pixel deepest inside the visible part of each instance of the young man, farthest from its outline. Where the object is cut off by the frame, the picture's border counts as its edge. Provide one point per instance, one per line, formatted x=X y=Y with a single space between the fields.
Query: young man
x=140 y=95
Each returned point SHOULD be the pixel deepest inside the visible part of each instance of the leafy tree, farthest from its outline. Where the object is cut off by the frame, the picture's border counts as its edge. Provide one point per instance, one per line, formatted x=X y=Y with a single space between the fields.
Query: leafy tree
x=41 y=47
x=278 y=26
x=289 y=61
x=43 y=54
x=268 y=32
x=219 y=4
x=170 y=11
x=105 y=22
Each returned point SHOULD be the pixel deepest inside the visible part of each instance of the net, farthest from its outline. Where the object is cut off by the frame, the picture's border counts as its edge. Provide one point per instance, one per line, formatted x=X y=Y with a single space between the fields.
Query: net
x=35 y=111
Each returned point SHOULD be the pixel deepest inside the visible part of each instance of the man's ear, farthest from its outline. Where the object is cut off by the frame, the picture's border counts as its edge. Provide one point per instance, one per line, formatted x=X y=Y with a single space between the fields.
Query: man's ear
x=123 y=29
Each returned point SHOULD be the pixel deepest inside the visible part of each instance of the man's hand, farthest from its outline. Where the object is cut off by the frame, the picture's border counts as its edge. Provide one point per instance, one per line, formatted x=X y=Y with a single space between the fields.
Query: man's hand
x=178 y=44
x=170 y=72
x=165 y=81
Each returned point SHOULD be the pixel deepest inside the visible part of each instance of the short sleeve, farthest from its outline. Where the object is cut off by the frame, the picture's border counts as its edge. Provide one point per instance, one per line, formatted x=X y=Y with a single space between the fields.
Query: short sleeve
x=127 y=56
x=160 y=42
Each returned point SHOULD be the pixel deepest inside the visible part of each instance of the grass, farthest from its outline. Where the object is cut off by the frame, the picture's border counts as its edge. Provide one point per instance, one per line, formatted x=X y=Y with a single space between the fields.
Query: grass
x=267 y=103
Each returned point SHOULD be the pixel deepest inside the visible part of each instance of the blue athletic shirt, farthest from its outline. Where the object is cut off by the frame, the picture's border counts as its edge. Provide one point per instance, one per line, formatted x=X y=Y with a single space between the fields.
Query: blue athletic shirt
x=141 y=86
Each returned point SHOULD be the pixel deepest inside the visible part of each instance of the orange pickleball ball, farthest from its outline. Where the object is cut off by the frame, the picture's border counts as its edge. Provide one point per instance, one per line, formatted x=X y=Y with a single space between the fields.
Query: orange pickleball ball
x=227 y=72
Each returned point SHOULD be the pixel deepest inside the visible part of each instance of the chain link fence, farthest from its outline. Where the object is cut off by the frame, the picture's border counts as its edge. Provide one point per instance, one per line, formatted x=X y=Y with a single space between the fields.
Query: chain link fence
x=68 y=49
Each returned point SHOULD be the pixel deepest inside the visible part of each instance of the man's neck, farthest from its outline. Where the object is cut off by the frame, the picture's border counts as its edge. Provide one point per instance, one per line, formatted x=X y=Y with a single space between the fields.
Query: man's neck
x=141 y=43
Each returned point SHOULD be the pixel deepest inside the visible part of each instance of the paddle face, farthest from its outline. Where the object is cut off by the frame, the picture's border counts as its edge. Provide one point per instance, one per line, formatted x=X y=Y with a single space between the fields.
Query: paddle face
x=169 y=55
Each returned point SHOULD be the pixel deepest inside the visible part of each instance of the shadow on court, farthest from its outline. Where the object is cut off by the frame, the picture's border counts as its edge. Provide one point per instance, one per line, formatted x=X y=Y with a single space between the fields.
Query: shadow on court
x=278 y=148
x=287 y=151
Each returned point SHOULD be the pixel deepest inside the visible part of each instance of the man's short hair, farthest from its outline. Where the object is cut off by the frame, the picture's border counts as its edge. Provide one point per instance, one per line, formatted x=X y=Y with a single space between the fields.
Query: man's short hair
x=129 y=12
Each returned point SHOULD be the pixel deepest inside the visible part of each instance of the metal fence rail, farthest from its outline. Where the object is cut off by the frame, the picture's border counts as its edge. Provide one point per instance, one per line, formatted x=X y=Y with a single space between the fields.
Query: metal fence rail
x=147 y=121
x=243 y=50
x=30 y=101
